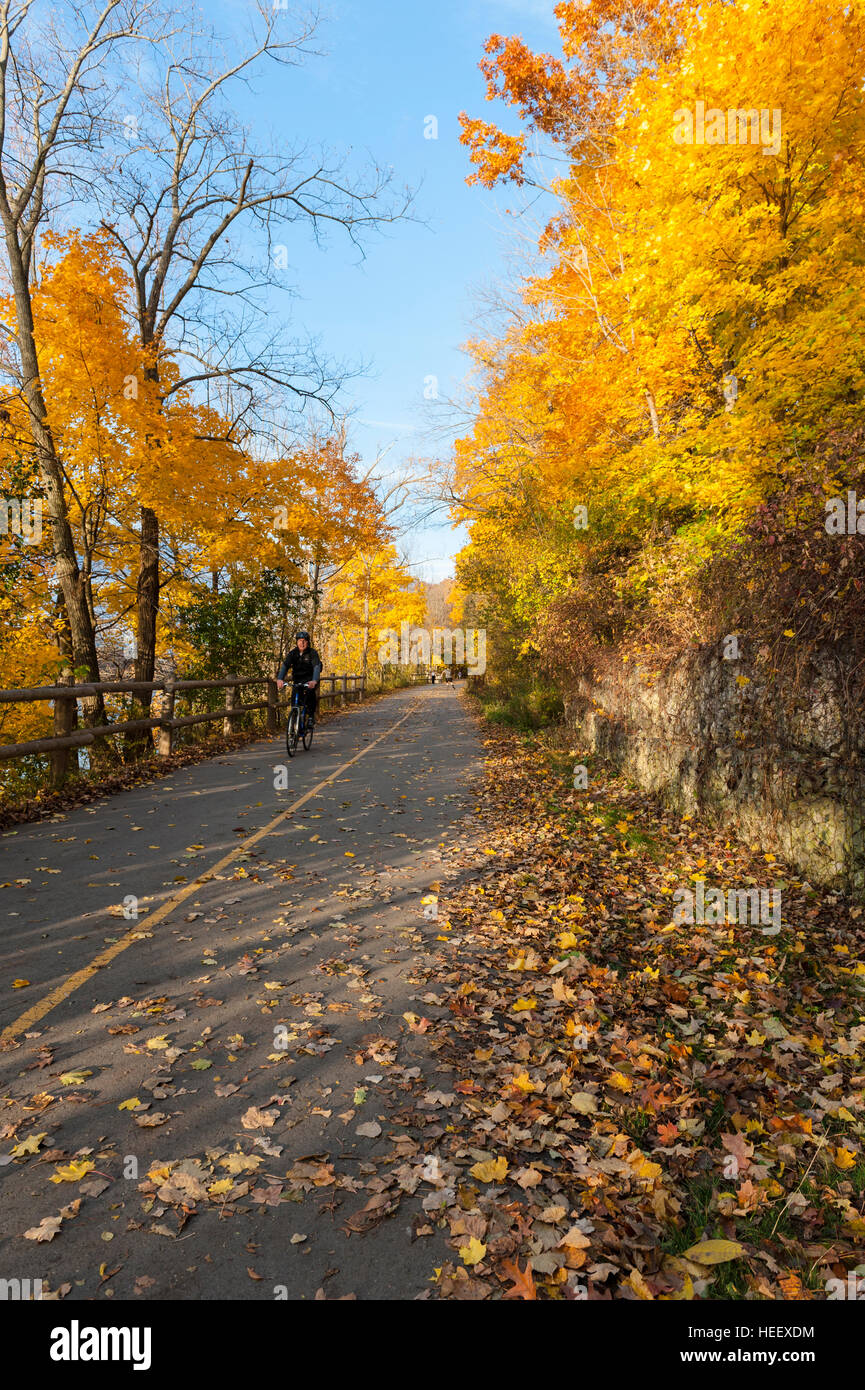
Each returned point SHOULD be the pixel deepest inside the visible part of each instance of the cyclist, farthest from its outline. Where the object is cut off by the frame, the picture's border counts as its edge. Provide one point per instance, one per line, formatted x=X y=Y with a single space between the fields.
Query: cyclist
x=304 y=663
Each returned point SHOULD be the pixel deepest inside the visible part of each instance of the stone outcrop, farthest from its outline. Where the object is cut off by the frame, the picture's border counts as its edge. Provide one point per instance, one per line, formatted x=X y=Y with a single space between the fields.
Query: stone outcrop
x=708 y=737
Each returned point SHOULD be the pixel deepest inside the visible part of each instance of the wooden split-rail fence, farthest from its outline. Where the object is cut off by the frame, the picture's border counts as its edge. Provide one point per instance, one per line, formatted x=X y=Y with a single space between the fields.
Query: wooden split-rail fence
x=65 y=699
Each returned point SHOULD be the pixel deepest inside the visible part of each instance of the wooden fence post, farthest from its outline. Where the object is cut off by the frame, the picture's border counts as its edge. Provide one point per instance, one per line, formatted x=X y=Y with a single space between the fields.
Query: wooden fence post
x=65 y=719
x=272 y=707
x=166 y=716
x=229 y=723
x=343 y=696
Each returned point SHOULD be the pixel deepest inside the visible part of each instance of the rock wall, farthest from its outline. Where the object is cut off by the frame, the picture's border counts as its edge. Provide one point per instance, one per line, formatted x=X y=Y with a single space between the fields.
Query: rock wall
x=708 y=738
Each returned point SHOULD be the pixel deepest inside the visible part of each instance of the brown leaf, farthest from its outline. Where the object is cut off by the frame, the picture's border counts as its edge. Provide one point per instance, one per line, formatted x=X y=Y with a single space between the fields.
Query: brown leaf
x=47 y=1229
x=253 y=1118
x=523 y=1285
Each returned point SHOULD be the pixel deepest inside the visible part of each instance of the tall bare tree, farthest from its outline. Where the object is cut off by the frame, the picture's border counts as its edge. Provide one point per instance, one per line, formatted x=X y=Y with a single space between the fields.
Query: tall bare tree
x=58 y=70
x=189 y=186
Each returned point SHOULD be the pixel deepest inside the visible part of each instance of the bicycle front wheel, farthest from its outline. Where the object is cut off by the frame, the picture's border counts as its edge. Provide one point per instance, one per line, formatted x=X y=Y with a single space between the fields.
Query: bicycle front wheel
x=292 y=732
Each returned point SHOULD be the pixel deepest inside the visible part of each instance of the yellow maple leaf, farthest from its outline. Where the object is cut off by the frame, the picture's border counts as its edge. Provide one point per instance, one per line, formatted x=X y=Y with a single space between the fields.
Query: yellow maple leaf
x=131 y=1104
x=30 y=1145
x=473 y=1253
x=74 y=1171
x=521 y=1004
x=844 y=1158
x=644 y=1168
x=74 y=1078
x=491 y=1170
x=240 y=1163
x=523 y=1082
x=620 y=1082
x=219 y=1188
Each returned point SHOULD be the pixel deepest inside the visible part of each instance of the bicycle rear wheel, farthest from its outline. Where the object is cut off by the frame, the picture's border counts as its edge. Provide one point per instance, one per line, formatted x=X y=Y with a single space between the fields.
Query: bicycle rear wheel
x=308 y=731
x=292 y=730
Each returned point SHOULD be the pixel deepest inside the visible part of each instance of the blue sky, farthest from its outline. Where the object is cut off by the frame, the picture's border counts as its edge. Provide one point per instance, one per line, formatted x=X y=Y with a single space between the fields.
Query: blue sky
x=407 y=307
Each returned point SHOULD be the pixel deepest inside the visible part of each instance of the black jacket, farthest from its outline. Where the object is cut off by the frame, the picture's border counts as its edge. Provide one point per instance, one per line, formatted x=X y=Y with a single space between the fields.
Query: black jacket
x=304 y=666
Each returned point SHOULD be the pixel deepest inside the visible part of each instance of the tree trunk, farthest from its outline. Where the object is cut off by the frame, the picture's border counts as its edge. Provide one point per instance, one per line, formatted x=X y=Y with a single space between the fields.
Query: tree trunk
x=81 y=631
x=137 y=745
x=147 y=608
x=313 y=613
x=213 y=650
x=148 y=597
x=65 y=711
x=365 y=654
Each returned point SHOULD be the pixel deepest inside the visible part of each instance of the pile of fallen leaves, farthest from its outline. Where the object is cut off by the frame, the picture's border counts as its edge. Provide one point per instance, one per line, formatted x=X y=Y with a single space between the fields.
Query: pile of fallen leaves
x=645 y=1109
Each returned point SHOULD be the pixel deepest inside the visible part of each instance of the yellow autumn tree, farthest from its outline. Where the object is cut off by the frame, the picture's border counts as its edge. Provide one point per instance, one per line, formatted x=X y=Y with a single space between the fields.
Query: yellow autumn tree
x=694 y=331
x=373 y=592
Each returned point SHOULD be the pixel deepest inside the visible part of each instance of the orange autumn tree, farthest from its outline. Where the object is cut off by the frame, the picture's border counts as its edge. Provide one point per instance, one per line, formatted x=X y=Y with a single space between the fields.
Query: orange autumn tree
x=83 y=354
x=121 y=448
x=333 y=513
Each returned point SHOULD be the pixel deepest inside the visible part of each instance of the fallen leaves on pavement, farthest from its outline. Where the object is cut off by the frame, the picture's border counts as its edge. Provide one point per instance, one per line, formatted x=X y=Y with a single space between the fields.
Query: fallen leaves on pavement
x=669 y=1111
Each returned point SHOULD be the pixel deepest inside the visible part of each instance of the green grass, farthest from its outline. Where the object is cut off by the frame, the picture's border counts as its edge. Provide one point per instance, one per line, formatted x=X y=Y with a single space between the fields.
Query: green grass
x=700 y=1222
x=525 y=709
x=633 y=838
x=774 y=1224
x=637 y=1123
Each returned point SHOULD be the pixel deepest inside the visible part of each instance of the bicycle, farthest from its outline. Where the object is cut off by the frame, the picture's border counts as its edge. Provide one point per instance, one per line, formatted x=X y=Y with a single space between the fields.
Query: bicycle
x=299 y=726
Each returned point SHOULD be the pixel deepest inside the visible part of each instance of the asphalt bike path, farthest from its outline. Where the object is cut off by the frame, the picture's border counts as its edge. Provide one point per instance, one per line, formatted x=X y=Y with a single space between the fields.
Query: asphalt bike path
x=249 y=986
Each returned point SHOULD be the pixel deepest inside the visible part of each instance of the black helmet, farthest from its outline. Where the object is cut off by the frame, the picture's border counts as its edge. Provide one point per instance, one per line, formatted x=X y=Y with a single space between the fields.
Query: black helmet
x=304 y=635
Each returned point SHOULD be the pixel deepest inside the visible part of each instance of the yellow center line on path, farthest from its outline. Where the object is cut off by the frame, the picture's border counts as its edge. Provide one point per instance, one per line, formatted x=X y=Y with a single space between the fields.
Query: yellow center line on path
x=69 y=986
